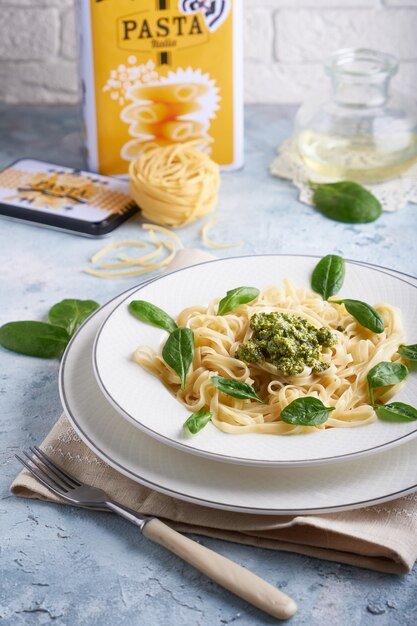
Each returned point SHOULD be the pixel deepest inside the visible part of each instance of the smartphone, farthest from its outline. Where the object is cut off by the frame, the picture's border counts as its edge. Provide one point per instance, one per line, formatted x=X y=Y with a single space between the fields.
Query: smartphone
x=45 y=194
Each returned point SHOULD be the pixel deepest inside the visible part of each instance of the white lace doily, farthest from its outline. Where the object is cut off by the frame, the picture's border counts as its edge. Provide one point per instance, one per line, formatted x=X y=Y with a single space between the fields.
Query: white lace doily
x=392 y=194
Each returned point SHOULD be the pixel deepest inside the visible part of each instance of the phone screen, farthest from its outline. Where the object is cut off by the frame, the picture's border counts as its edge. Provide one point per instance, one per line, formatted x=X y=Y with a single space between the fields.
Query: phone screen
x=62 y=197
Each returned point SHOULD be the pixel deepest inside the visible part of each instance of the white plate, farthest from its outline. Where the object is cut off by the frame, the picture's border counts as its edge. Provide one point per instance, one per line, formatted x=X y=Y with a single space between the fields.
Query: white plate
x=352 y=484
x=143 y=399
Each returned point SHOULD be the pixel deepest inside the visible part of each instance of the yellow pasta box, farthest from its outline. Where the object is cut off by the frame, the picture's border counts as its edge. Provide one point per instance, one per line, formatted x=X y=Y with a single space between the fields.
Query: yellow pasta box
x=158 y=72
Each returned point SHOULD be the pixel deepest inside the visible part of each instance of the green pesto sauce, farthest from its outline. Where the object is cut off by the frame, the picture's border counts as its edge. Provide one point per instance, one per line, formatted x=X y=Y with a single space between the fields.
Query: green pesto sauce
x=286 y=341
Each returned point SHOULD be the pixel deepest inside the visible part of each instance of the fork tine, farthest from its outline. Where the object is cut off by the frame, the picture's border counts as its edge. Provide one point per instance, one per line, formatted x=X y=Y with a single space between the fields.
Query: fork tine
x=44 y=471
x=69 y=480
x=41 y=479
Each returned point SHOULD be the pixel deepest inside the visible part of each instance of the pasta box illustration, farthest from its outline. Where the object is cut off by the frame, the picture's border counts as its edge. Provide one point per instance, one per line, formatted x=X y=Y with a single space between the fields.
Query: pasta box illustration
x=158 y=72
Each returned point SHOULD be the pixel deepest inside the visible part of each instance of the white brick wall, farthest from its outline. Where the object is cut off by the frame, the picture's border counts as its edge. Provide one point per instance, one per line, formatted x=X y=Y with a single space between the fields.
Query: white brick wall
x=285 y=43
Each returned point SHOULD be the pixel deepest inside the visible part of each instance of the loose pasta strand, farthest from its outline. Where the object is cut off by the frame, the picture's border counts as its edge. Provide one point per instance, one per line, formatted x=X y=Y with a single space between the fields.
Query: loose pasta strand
x=212 y=244
x=117 y=244
x=145 y=261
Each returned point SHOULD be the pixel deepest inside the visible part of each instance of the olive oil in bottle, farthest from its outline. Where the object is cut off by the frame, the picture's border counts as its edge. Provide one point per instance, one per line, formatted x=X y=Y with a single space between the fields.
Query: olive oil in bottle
x=362 y=131
x=358 y=158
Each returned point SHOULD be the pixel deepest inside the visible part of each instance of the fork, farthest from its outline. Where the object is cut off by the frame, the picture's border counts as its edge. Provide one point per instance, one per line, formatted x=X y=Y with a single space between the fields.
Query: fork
x=225 y=572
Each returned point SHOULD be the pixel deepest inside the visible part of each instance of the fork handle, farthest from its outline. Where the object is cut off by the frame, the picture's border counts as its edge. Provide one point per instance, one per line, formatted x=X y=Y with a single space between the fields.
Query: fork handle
x=230 y=575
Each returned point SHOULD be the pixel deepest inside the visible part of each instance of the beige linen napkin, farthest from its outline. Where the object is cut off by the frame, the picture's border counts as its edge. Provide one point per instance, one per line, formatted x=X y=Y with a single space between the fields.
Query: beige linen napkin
x=382 y=538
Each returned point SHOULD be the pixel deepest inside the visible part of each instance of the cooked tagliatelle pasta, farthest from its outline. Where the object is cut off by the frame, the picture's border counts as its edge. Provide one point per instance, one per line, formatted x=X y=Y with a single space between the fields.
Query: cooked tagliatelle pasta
x=342 y=385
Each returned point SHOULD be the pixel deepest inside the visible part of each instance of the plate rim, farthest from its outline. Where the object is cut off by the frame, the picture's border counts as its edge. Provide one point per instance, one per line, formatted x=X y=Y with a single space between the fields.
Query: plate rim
x=228 y=458
x=195 y=500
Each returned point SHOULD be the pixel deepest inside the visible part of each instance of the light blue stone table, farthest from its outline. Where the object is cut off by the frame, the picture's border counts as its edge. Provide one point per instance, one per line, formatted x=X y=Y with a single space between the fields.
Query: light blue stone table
x=80 y=568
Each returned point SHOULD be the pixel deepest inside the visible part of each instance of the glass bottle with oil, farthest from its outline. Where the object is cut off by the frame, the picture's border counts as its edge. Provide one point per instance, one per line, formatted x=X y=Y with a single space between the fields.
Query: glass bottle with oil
x=363 y=131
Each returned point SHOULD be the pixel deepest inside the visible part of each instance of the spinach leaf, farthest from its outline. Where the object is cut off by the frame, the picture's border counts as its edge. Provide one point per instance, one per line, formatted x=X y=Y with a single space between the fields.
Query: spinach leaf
x=328 y=275
x=306 y=412
x=198 y=420
x=384 y=374
x=409 y=352
x=236 y=297
x=70 y=314
x=235 y=388
x=178 y=352
x=346 y=202
x=396 y=412
x=151 y=314
x=34 y=339
x=364 y=314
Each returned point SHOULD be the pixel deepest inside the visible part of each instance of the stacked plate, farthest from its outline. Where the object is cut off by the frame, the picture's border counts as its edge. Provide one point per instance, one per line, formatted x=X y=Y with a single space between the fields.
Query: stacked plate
x=133 y=423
